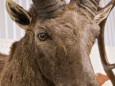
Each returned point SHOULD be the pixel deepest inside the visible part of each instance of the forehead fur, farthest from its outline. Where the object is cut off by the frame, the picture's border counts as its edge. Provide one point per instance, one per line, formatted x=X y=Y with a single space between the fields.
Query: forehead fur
x=72 y=25
x=69 y=21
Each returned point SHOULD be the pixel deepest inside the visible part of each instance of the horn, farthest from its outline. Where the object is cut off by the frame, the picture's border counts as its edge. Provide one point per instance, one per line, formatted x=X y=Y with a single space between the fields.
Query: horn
x=89 y=5
x=103 y=55
x=48 y=7
x=102 y=14
x=94 y=1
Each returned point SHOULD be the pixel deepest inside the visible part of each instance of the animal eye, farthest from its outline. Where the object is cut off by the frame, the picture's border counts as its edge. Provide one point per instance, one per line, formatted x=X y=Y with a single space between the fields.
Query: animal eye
x=43 y=36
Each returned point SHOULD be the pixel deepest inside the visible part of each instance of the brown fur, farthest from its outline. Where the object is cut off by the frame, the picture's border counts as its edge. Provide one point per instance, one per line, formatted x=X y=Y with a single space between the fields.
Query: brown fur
x=3 y=56
x=62 y=60
x=3 y=60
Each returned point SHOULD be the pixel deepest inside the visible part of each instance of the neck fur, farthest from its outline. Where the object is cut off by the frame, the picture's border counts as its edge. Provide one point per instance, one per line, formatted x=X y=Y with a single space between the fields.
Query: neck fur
x=22 y=67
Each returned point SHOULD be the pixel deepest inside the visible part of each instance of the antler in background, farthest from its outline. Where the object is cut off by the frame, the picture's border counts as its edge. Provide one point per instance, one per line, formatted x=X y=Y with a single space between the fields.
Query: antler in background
x=107 y=66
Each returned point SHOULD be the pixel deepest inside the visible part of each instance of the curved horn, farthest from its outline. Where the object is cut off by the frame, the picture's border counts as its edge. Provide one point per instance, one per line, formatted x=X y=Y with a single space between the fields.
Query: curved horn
x=90 y=5
x=106 y=65
x=48 y=7
x=94 y=1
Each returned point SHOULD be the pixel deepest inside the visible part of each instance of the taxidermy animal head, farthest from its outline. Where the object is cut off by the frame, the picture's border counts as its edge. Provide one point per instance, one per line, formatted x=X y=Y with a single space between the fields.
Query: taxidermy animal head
x=56 y=46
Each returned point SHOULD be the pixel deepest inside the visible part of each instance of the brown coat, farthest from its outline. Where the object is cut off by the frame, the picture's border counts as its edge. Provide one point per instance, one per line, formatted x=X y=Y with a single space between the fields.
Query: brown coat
x=55 y=49
x=3 y=60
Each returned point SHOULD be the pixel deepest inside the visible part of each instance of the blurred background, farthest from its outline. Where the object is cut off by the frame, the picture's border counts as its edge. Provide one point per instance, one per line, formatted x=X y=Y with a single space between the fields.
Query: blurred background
x=10 y=32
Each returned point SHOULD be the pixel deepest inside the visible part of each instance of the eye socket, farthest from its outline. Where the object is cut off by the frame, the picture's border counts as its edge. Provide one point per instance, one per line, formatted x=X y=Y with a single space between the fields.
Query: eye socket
x=43 y=36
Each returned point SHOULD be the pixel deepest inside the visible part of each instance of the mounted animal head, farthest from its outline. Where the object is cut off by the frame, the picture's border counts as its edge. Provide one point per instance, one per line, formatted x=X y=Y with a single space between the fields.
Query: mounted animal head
x=60 y=36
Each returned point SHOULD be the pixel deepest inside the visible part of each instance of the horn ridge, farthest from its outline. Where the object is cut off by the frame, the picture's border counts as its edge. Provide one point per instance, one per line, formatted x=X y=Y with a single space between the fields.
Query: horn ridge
x=48 y=6
x=90 y=5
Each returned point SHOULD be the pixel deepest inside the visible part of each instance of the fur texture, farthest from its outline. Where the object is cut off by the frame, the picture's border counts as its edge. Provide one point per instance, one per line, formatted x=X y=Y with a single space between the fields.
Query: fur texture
x=3 y=60
x=60 y=60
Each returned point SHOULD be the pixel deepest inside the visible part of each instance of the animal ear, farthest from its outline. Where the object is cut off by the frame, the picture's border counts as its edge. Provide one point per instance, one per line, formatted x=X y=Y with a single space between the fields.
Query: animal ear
x=18 y=14
x=103 y=14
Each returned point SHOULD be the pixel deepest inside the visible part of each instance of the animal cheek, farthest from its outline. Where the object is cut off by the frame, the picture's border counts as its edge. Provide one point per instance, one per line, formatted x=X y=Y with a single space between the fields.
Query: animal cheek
x=70 y=42
x=45 y=48
x=95 y=31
